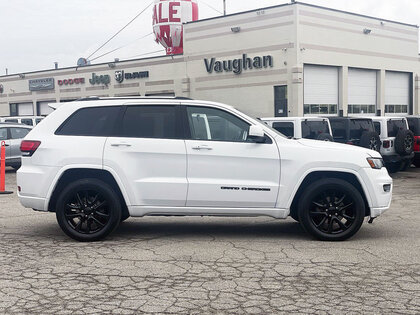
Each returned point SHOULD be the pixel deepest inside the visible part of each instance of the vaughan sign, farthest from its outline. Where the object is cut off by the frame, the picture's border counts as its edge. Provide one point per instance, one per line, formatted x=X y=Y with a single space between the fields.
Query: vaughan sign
x=238 y=65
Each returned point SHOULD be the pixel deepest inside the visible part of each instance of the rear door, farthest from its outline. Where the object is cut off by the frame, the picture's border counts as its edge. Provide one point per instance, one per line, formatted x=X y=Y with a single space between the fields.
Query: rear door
x=148 y=154
x=16 y=136
x=225 y=168
x=4 y=136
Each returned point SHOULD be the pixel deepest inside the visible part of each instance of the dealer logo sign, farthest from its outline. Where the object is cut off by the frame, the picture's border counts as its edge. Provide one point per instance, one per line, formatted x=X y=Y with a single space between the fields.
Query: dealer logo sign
x=120 y=75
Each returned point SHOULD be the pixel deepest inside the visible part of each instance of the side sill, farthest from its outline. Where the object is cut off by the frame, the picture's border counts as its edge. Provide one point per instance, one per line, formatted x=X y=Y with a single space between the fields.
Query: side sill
x=141 y=211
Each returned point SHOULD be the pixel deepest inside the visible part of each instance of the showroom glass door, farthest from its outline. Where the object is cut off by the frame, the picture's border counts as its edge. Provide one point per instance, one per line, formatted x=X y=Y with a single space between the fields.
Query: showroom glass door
x=280 y=101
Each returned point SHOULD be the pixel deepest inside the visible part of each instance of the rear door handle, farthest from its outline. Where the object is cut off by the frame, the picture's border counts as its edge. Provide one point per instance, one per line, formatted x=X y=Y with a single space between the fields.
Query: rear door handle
x=120 y=144
x=202 y=147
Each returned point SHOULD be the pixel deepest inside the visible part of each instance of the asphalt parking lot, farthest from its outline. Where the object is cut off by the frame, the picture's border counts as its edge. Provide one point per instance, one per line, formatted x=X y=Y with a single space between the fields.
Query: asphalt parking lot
x=211 y=265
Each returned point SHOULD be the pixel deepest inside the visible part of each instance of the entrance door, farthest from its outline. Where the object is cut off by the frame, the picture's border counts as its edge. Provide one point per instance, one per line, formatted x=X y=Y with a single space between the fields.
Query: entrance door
x=280 y=101
x=226 y=169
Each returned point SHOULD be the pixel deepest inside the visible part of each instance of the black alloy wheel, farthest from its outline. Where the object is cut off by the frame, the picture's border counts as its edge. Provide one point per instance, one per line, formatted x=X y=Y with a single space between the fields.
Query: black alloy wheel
x=88 y=210
x=331 y=209
x=374 y=144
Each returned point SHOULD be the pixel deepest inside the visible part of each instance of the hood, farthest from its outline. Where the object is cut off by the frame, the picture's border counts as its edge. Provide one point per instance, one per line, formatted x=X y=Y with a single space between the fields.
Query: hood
x=338 y=147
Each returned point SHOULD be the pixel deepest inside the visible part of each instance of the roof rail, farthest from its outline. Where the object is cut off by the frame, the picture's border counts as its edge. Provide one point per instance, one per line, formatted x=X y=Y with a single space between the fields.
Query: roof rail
x=97 y=98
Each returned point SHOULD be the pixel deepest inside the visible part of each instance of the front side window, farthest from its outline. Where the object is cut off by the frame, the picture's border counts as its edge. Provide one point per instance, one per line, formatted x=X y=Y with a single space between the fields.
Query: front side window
x=18 y=133
x=3 y=134
x=217 y=125
x=285 y=128
x=158 y=121
x=91 y=121
x=312 y=129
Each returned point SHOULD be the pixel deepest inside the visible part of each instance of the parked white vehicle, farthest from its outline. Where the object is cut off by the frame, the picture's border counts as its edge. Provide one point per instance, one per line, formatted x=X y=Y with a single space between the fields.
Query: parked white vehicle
x=97 y=162
x=12 y=134
x=397 y=142
x=26 y=120
x=316 y=128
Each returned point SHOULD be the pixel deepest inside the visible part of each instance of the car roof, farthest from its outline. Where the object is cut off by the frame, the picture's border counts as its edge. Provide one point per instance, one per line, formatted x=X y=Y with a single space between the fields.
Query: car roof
x=349 y=118
x=293 y=118
x=9 y=124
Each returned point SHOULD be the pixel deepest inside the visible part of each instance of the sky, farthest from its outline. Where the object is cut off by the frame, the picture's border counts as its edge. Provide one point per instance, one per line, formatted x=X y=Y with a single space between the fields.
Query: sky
x=36 y=33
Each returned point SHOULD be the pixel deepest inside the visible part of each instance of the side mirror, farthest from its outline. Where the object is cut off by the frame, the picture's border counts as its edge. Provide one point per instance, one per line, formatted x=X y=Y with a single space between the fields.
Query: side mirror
x=256 y=133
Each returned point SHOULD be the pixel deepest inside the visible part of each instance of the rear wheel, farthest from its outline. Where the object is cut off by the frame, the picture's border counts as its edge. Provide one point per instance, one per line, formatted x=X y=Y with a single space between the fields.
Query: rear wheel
x=88 y=210
x=406 y=165
x=331 y=210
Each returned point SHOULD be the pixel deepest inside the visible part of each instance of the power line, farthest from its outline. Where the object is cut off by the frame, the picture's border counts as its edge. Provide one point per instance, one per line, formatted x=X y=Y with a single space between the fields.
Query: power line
x=120 y=30
x=149 y=53
x=211 y=7
x=109 y=52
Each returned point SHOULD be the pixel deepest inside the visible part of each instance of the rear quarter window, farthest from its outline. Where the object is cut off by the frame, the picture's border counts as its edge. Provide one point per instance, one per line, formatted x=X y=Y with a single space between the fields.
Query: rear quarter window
x=312 y=129
x=359 y=126
x=414 y=125
x=286 y=128
x=91 y=121
x=396 y=125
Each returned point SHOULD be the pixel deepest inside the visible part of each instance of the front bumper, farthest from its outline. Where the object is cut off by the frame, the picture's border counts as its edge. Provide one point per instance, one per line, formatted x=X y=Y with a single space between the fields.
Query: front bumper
x=375 y=181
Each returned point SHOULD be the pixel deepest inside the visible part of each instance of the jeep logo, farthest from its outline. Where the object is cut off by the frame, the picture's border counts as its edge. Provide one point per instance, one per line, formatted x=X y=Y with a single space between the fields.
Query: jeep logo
x=100 y=79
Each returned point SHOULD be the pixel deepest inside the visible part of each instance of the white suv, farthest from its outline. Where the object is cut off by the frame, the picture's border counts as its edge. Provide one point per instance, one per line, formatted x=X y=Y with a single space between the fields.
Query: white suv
x=95 y=163
x=315 y=128
x=397 y=142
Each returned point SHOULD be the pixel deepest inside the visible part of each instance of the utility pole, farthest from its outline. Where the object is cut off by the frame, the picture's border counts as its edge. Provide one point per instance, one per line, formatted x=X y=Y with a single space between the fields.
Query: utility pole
x=224 y=7
x=7 y=71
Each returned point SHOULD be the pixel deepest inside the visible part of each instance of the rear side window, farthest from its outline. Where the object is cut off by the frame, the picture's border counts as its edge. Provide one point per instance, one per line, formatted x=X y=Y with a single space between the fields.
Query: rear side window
x=312 y=129
x=286 y=128
x=18 y=133
x=377 y=126
x=414 y=125
x=91 y=121
x=394 y=126
x=28 y=122
x=158 y=121
x=359 y=126
x=339 y=129
x=3 y=134
x=38 y=120
x=12 y=120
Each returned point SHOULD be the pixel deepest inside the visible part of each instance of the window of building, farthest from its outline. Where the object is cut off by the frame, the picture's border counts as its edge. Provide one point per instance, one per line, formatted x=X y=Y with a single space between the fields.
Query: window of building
x=18 y=133
x=91 y=121
x=216 y=125
x=361 y=109
x=285 y=128
x=396 y=109
x=156 y=121
x=317 y=109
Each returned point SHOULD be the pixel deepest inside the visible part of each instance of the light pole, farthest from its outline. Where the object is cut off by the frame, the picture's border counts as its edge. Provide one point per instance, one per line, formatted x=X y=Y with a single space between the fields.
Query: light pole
x=224 y=7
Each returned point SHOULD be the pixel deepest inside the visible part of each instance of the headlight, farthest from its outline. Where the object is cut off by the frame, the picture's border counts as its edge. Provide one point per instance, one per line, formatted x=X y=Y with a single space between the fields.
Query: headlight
x=376 y=163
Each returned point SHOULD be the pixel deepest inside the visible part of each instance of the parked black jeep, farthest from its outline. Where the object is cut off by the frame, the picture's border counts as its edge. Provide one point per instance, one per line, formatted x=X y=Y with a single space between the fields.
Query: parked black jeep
x=355 y=131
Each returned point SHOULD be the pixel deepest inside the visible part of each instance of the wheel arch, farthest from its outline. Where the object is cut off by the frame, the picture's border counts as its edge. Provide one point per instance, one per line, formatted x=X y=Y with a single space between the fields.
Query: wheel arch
x=313 y=176
x=73 y=174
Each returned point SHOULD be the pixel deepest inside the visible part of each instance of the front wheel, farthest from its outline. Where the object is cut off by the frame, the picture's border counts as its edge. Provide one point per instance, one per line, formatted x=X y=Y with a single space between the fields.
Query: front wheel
x=331 y=210
x=88 y=210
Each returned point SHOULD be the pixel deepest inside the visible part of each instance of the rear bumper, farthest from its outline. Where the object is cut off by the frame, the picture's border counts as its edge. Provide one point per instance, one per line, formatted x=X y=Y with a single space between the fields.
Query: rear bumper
x=395 y=158
x=35 y=203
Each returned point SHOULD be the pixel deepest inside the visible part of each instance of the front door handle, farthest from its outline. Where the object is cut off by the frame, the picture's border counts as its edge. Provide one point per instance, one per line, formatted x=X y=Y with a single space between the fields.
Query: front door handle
x=202 y=147
x=120 y=144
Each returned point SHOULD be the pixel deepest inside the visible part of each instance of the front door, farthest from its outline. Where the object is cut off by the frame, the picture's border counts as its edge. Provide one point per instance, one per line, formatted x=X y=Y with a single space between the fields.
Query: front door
x=149 y=155
x=225 y=168
x=280 y=101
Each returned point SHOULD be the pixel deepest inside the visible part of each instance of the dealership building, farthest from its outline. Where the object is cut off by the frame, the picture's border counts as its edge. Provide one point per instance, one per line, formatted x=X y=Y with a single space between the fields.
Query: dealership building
x=294 y=59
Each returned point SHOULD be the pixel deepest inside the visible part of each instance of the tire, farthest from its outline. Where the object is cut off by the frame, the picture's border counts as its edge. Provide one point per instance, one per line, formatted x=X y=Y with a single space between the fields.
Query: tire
x=294 y=216
x=404 y=142
x=394 y=167
x=88 y=210
x=406 y=165
x=370 y=140
x=321 y=220
x=124 y=216
x=325 y=137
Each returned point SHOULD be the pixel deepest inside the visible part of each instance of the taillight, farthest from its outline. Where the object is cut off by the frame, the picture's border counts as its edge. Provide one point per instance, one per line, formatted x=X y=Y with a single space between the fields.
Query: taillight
x=28 y=147
x=349 y=142
x=386 y=144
